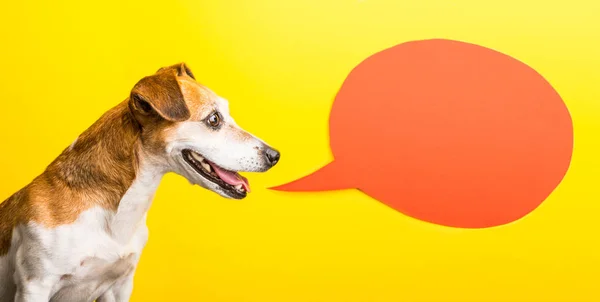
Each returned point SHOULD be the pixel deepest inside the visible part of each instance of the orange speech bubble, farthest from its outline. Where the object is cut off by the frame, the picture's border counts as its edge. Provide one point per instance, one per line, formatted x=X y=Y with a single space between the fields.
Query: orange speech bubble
x=447 y=132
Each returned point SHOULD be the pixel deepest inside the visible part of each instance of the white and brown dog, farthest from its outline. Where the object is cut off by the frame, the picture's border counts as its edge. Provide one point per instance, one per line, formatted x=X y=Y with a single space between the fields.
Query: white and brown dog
x=75 y=233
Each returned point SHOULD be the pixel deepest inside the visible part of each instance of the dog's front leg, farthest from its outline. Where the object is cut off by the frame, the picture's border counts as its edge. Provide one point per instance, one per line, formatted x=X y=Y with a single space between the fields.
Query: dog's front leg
x=33 y=288
x=34 y=282
x=36 y=290
x=119 y=292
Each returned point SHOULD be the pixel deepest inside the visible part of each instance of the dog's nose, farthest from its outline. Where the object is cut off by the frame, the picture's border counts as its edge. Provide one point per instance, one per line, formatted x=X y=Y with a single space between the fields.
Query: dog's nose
x=272 y=156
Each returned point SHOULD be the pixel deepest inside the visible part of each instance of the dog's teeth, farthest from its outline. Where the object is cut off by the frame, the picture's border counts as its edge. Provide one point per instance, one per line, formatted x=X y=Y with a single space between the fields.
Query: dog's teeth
x=205 y=166
x=239 y=187
x=197 y=156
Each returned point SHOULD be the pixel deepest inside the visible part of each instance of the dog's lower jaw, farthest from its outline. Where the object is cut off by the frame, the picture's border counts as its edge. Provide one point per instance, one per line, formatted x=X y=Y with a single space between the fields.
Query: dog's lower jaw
x=185 y=170
x=214 y=189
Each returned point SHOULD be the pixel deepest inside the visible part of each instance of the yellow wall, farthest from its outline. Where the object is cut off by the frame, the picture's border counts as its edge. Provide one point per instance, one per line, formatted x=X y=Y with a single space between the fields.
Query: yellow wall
x=62 y=64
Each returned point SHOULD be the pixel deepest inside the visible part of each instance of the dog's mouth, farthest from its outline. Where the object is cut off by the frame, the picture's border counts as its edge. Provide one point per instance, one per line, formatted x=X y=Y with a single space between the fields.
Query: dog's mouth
x=234 y=184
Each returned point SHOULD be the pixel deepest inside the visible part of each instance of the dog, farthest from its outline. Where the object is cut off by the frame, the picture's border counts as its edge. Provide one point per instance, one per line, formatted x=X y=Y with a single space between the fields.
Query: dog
x=76 y=232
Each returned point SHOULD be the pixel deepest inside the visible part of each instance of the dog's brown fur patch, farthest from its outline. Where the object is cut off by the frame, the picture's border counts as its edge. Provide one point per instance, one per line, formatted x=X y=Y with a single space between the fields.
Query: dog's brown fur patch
x=96 y=170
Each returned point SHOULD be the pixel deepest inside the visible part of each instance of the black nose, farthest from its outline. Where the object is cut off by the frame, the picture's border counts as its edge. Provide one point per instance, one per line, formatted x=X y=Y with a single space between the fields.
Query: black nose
x=272 y=156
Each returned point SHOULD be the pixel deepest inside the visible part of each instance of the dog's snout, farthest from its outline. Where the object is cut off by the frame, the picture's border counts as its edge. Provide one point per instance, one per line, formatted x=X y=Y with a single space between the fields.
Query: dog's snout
x=272 y=156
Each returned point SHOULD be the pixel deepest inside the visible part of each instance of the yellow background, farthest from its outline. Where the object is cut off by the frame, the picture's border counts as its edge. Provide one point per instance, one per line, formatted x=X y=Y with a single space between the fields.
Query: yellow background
x=280 y=63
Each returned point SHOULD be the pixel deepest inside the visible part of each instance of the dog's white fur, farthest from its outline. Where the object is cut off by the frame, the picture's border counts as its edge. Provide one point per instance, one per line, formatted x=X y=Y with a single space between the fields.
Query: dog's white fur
x=96 y=256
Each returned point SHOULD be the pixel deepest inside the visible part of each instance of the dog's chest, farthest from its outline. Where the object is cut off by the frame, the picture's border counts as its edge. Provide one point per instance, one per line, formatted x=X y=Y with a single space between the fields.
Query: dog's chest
x=103 y=244
x=88 y=254
x=86 y=250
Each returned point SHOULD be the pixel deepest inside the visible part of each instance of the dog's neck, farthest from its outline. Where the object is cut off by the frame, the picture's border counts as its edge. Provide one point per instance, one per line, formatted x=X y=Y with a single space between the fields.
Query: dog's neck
x=136 y=201
x=107 y=162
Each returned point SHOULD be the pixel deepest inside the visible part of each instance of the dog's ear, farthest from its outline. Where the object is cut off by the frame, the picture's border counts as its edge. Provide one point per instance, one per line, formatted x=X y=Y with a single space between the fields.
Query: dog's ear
x=181 y=68
x=160 y=95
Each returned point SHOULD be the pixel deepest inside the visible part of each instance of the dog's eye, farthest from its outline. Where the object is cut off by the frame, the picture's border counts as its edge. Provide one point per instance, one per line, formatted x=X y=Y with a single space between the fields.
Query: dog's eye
x=214 y=120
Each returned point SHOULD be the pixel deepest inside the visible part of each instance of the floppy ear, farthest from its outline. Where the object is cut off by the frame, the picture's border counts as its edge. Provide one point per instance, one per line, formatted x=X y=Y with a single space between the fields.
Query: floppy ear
x=159 y=94
x=181 y=68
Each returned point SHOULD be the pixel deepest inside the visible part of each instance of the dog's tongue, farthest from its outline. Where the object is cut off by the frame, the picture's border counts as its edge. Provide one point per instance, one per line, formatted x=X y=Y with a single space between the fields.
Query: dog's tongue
x=232 y=178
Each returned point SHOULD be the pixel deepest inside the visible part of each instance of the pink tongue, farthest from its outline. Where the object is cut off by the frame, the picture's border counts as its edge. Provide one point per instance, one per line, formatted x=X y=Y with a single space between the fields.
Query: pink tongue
x=232 y=178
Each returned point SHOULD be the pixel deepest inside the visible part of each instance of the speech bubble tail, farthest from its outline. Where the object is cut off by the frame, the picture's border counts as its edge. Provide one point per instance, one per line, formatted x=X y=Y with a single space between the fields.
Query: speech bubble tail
x=328 y=178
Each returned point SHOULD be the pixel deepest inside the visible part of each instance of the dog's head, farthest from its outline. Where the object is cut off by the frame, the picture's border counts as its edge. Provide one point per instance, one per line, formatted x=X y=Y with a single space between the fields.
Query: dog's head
x=187 y=129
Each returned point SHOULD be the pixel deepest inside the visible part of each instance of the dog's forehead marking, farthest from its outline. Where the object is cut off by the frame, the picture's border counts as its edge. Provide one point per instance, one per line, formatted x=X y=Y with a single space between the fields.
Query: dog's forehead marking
x=199 y=99
x=223 y=106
